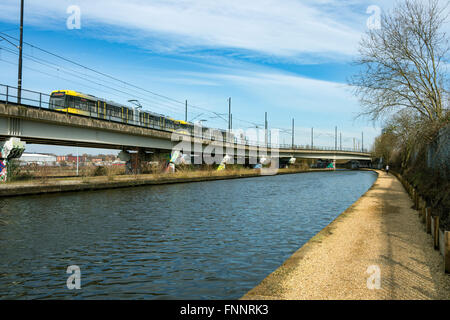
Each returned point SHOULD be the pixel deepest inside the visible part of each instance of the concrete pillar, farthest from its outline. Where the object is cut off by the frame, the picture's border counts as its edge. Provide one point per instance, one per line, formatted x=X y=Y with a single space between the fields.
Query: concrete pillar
x=12 y=148
x=133 y=160
x=3 y=170
x=126 y=156
x=175 y=159
x=226 y=160
x=136 y=161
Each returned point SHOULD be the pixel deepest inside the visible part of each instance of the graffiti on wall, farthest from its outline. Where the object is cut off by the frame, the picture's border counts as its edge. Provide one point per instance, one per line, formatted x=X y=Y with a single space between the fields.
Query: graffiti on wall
x=3 y=170
x=10 y=149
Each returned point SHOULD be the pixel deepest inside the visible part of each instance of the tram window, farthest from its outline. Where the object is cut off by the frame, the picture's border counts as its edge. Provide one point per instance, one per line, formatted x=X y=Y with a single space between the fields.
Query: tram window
x=83 y=104
x=117 y=111
x=75 y=102
x=70 y=102
x=57 y=102
x=91 y=106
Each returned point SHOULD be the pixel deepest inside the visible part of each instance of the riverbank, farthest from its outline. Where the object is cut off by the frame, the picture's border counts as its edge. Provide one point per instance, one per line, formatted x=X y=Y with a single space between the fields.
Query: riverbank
x=124 y=181
x=380 y=229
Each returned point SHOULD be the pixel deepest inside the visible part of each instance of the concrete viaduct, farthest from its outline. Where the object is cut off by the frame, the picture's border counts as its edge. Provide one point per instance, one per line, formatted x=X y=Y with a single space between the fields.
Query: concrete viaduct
x=43 y=126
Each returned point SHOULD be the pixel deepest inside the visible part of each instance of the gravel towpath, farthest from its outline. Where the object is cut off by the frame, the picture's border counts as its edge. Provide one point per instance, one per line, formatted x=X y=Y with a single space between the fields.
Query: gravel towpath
x=380 y=232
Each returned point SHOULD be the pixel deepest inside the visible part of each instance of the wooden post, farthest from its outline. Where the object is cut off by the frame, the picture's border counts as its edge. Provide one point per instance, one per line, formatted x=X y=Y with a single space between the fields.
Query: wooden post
x=416 y=200
x=435 y=231
x=428 y=219
x=446 y=250
x=423 y=205
x=423 y=217
x=420 y=209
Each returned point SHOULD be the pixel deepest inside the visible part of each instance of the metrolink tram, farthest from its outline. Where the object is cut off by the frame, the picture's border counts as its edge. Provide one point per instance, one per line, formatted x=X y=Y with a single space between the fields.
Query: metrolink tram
x=73 y=102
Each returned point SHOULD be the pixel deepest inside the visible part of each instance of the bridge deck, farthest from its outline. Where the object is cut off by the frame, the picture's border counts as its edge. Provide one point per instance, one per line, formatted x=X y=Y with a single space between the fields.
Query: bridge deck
x=43 y=126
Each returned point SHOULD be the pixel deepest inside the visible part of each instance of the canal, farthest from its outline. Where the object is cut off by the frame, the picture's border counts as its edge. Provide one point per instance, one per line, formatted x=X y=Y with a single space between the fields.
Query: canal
x=205 y=240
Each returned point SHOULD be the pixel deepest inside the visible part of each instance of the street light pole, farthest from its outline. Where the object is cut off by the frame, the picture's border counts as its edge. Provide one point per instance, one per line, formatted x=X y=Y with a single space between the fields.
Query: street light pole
x=292 y=133
x=231 y=121
x=265 y=129
x=335 y=138
x=229 y=114
x=362 y=141
x=19 y=76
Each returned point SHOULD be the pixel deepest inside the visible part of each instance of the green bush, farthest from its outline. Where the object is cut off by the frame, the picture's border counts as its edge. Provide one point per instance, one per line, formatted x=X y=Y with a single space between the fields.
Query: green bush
x=100 y=171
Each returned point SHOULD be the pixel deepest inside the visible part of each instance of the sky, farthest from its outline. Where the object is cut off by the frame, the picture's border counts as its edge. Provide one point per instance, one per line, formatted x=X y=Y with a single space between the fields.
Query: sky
x=289 y=58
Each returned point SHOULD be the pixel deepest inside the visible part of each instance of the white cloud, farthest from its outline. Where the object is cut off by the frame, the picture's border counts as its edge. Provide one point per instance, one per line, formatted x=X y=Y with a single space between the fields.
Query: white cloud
x=317 y=94
x=282 y=28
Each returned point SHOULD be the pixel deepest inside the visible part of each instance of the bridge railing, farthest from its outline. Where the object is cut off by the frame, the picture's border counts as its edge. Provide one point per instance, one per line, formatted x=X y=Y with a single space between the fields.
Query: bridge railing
x=9 y=95
x=35 y=99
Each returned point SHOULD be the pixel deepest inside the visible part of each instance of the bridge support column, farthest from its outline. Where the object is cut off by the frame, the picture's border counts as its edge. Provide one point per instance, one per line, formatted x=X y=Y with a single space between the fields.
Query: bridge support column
x=133 y=161
x=3 y=169
x=136 y=161
x=226 y=160
x=176 y=157
x=9 y=149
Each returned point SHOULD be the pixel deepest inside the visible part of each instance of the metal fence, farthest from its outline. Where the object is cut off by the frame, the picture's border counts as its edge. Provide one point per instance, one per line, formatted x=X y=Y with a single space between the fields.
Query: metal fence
x=35 y=99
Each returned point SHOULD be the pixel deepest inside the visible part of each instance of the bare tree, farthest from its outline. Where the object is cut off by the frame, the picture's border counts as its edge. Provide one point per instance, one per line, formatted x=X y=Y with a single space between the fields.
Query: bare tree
x=404 y=125
x=403 y=64
x=384 y=146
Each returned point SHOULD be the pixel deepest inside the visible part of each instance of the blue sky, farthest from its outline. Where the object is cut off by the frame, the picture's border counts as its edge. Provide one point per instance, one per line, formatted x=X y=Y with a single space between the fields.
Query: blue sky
x=288 y=58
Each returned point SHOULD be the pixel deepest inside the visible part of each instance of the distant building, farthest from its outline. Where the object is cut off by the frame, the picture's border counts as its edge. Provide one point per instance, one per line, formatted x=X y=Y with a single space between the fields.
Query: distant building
x=37 y=158
x=70 y=158
x=118 y=162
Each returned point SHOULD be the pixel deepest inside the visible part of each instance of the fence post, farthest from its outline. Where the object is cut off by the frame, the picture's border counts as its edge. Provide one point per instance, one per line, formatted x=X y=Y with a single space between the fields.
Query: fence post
x=40 y=100
x=435 y=231
x=7 y=94
x=446 y=251
x=423 y=205
x=416 y=200
x=428 y=219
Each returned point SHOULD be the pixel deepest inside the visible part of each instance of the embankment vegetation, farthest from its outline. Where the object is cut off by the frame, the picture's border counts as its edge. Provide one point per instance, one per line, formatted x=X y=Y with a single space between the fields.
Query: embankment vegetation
x=46 y=174
x=403 y=83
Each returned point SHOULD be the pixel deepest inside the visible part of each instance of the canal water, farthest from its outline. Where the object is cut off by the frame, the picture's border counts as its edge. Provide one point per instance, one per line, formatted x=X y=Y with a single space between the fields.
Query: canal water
x=205 y=240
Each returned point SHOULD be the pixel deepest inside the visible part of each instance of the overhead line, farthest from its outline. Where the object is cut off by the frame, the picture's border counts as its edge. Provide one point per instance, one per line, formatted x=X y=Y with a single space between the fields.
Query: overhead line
x=59 y=77
x=152 y=103
x=116 y=79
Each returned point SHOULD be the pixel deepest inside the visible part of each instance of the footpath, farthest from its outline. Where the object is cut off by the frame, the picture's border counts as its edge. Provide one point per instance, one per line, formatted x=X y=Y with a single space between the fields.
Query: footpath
x=376 y=249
